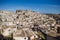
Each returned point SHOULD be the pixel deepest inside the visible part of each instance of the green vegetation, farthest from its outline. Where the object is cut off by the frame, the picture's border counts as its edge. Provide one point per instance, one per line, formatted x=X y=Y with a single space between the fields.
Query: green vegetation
x=40 y=35
x=6 y=38
x=0 y=19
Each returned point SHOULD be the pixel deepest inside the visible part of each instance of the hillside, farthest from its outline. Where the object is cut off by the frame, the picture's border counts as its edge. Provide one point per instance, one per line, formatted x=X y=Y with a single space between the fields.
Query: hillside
x=27 y=23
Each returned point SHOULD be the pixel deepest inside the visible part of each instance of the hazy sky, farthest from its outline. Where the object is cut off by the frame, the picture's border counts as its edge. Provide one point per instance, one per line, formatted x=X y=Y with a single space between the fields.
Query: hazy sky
x=44 y=6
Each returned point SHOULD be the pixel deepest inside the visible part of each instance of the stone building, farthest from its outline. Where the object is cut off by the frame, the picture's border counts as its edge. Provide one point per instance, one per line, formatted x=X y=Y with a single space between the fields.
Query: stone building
x=21 y=22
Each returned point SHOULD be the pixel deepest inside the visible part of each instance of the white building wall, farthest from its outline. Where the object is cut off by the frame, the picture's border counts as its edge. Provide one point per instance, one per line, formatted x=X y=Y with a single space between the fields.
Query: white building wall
x=20 y=38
